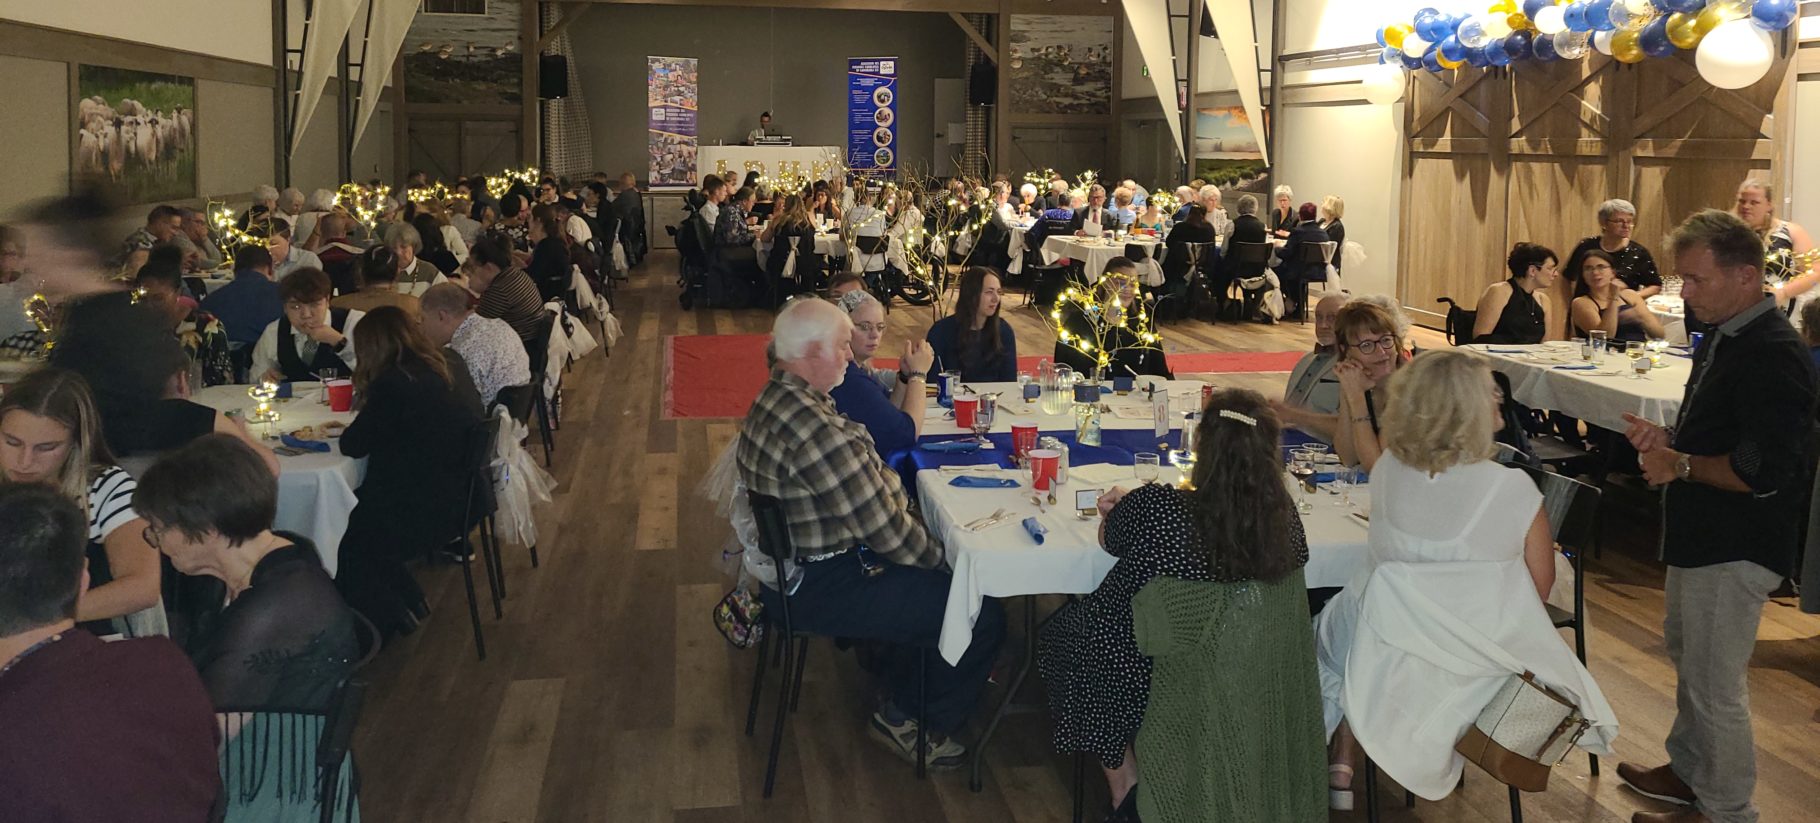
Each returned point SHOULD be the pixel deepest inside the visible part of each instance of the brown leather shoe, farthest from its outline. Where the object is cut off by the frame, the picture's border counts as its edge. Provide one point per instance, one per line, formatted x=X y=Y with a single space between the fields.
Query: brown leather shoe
x=1659 y=783
x=1686 y=815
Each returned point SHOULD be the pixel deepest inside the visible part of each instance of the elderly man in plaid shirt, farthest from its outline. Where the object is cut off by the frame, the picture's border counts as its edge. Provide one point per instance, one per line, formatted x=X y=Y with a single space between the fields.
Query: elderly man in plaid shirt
x=869 y=570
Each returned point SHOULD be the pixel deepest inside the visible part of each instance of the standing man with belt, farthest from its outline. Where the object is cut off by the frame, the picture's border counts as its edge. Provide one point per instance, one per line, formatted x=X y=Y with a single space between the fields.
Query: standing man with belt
x=1735 y=468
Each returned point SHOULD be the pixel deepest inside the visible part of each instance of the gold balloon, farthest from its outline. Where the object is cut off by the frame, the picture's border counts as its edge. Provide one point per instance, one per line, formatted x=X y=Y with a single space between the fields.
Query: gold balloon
x=1625 y=47
x=1502 y=7
x=1393 y=35
x=1519 y=21
x=1712 y=16
x=1684 y=30
x=1446 y=63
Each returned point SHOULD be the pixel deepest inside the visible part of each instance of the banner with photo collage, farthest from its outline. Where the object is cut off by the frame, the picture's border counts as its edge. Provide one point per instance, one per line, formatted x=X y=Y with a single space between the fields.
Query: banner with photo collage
x=670 y=98
x=872 y=114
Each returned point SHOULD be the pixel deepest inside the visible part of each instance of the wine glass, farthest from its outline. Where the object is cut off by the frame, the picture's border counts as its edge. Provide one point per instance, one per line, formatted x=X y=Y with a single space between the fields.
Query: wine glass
x=1344 y=478
x=1146 y=465
x=1301 y=467
x=1637 y=352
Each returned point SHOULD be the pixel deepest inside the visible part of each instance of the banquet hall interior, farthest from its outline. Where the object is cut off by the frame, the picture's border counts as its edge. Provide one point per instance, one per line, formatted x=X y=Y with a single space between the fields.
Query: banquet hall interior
x=442 y=382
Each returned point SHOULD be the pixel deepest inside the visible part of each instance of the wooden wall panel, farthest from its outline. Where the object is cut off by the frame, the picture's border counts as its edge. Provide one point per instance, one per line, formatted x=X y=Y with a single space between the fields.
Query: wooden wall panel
x=1444 y=253
x=1554 y=201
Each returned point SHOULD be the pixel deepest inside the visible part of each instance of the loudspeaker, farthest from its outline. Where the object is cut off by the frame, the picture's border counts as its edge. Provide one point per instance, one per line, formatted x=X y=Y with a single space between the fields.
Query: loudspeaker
x=982 y=85
x=552 y=76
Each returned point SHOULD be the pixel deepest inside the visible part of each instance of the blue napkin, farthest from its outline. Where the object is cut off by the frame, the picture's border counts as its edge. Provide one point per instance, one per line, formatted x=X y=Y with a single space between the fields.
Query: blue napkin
x=1582 y=367
x=969 y=481
x=306 y=445
x=1035 y=529
x=958 y=446
x=284 y=389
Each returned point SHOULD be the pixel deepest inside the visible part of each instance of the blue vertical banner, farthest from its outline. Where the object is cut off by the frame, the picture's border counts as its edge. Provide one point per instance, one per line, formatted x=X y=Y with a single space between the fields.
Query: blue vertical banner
x=872 y=114
x=670 y=123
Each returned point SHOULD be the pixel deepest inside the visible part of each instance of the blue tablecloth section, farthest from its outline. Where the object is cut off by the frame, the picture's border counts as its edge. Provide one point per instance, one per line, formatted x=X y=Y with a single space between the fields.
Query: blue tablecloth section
x=1117 y=446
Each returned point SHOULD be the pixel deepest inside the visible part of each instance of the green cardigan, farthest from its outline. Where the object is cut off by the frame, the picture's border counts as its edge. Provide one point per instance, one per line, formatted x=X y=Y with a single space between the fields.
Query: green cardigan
x=1233 y=731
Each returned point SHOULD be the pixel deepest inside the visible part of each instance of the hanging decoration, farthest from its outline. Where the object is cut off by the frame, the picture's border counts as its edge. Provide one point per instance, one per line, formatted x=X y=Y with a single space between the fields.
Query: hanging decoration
x=1732 y=40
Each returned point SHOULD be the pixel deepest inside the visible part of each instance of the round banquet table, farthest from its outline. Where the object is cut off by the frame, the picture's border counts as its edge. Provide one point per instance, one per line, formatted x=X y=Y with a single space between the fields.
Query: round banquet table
x=315 y=490
x=1093 y=253
x=1551 y=376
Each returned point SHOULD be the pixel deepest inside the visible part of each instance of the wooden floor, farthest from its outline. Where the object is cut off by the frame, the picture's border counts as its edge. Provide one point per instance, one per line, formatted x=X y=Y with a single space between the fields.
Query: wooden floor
x=607 y=694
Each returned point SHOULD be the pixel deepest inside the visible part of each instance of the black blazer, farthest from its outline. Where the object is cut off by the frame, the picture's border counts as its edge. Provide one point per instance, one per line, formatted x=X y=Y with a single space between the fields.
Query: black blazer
x=1246 y=229
x=1283 y=222
x=412 y=428
x=1290 y=271
x=1108 y=219
x=1175 y=261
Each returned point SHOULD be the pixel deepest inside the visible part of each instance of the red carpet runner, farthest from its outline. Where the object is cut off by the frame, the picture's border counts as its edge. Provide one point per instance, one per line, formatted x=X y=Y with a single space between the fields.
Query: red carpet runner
x=717 y=375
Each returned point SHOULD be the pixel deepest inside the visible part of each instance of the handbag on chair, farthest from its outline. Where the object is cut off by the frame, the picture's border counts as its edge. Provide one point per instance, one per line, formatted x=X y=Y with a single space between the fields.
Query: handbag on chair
x=1522 y=733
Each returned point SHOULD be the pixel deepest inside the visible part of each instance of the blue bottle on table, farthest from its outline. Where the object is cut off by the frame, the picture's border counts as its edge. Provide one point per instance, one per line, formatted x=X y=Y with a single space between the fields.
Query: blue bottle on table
x=944 y=388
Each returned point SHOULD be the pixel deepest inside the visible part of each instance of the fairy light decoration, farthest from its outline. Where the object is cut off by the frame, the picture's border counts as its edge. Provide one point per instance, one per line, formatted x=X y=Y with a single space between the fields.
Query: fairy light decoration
x=1106 y=314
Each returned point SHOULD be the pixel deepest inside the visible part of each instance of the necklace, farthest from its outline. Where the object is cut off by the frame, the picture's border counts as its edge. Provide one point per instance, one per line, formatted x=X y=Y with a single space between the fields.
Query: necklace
x=29 y=650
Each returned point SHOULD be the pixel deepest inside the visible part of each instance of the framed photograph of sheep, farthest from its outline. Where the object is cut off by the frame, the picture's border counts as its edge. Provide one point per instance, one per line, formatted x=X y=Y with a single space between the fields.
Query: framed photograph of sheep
x=137 y=130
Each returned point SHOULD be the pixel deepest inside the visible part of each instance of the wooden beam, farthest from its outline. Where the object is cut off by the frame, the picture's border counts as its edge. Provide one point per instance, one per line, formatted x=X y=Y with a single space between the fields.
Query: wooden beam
x=1558 y=146
x=1734 y=104
x=571 y=12
x=1710 y=148
x=1451 y=100
x=972 y=34
x=1450 y=145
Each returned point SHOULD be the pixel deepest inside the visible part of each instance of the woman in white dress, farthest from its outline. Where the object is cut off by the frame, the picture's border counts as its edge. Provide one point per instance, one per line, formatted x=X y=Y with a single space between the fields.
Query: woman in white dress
x=1449 y=602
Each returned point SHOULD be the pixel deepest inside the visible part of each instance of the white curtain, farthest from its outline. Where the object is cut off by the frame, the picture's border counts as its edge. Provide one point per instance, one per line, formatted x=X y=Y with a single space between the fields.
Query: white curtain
x=389 y=22
x=326 y=30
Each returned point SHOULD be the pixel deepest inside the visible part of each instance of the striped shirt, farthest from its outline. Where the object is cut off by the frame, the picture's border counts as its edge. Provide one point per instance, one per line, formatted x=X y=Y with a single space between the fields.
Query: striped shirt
x=110 y=502
x=513 y=297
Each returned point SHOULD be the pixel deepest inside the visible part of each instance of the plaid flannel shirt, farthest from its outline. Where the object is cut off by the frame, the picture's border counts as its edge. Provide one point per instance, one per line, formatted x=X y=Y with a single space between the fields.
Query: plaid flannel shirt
x=836 y=490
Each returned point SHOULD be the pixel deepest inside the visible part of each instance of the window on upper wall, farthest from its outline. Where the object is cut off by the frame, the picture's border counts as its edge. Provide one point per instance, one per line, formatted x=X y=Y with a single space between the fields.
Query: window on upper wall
x=455 y=7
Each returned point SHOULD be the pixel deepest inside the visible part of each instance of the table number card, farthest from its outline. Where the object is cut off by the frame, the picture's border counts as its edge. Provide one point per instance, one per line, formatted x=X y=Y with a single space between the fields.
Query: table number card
x=1159 y=412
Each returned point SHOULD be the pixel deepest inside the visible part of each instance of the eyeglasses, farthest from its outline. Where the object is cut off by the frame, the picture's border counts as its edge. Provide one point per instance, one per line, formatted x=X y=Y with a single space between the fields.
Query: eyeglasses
x=870 y=328
x=1386 y=343
x=153 y=536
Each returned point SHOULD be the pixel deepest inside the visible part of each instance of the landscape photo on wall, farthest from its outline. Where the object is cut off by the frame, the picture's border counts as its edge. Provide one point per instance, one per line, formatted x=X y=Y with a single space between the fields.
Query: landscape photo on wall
x=136 y=130
x=1061 y=64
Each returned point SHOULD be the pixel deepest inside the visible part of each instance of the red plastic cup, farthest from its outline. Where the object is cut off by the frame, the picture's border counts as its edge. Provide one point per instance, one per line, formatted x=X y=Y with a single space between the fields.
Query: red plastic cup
x=341 y=395
x=1023 y=438
x=1043 y=466
x=964 y=407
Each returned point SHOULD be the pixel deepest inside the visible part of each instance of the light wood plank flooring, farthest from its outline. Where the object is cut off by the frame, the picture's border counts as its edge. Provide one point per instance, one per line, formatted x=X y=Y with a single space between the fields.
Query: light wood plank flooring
x=608 y=695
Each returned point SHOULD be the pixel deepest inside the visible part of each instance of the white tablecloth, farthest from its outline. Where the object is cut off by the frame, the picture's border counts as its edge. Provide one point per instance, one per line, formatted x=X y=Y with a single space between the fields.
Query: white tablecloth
x=1602 y=396
x=316 y=490
x=1014 y=245
x=1132 y=411
x=1093 y=253
x=1673 y=314
x=826 y=244
x=1005 y=562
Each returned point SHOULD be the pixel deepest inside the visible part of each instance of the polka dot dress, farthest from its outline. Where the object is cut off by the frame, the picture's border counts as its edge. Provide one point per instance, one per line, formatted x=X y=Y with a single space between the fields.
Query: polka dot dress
x=1098 y=681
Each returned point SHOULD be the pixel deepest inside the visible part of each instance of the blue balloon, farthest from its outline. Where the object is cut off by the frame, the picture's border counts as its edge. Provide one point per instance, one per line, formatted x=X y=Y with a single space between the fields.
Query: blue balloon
x=1530 y=7
x=1381 y=41
x=1773 y=15
x=1654 y=38
x=1598 y=13
x=1683 y=6
x=1431 y=62
x=1453 y=49
x=1392 y=56
x=1495 y=53
x=1411 y=63
x=1449 y=23
x=1476 y=58
x=1544 y=48
x=1517 y=45
x=1424 y=24
x=1575 y=15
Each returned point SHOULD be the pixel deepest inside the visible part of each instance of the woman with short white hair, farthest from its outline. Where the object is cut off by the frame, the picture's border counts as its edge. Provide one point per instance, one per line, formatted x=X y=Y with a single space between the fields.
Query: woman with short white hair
x=1027 y=199
x=1631 y=261
x=1283 y=217
x=888 y=402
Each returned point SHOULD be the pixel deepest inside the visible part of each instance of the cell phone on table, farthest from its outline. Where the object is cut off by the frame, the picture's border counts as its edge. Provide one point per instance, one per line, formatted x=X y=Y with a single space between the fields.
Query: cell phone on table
x=1087 y=501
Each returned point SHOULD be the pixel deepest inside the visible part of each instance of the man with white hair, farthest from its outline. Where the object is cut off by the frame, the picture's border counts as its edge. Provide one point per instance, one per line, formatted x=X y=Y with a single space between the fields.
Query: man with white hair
x=1139 y=194
x=864 y=567
x=1185 y=196
x=1311 y=400
x=290 y=203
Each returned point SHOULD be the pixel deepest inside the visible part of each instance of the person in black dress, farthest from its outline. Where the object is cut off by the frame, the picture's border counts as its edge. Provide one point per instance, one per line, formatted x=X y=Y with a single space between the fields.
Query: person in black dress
x=416 y=413
x=1176 y=257
x=1633 y=263
x=549 y=262
x=1236 y=523
x=1516 y=311
x=1284 y=217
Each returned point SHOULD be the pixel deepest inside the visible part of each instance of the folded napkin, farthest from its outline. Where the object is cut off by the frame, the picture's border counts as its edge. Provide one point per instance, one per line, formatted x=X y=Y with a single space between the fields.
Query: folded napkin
x=1581 y=367
x=957 y=446
x=1035 y=529
x=974 y=481
x=1506 y=351
x=306 y=445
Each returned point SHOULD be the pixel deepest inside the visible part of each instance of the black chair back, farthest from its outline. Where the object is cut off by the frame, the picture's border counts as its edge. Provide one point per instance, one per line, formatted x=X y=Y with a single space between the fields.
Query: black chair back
x=1572 y=507
x=774 y=541
x=198 y=288
x=1459 y=322
x=516 y=400
x=1056 y=227
x=1310 y=254
x=335 y=744
x=871 y=244
x=1250 y=254
x=1136 y=252
x=538 y=348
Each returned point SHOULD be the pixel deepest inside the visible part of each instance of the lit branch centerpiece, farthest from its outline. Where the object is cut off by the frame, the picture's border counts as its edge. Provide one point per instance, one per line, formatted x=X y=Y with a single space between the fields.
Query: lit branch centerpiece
x=1102 y=323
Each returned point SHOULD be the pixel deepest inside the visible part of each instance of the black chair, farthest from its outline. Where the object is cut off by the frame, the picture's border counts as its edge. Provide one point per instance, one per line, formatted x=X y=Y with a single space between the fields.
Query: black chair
x=989 y=249
x=1458 y=326
x=336 y=746
x=198 y=287
x=538 y=348
x=1311 y=259
x=774 y=541
x=246 y=763
x=477 y=518
x=1248 y=263
x=1206 y=280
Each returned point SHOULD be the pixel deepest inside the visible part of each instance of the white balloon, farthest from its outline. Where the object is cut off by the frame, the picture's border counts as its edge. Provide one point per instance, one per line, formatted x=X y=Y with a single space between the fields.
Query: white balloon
x=1647 y=8
x=1570 y=45
x=1414 y=45
x=1551 y=20
x=1734 y=55
x=1472 y=33
x=1602 y=41
x=1497 y=26
x=1384 y=84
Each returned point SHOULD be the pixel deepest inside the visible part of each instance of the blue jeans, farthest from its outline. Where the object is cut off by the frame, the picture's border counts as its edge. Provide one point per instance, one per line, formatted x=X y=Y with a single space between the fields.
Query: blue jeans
x=903 y=605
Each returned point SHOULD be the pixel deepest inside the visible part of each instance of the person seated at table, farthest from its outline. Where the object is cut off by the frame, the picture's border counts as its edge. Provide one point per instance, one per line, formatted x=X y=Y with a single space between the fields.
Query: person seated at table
x=1119 y=336
x=1311 y=400
x=203 y=338
x=865 y=219
x=1284 y=217
x=1003 y=214
x=286 y=256
x=1211 y=199
x=1370 y=348
x=1123 y=213
x=94 y=730
x=1602 y=302
x=415 y=417
x=494 y=356
x=1291 y=273
x=888 y=402
x=974 y=340
x=1461 y=563
x=1027 y=204
x=1756 y=206
x=251 y=302
x=1516 y=311
x=1152 y=218
x=1247 y=227
x=1177 y=258
x=1333 y=208
x=548 y=264
x=868 y=568
x=505 y=291
x=1054 y=221
x=50 y=435
x=310 y=337
x=821 y=204
x=174 y=419
x=1095 y=218
x=1810 y=329
x=1235 y=525
x=1635 y=266
x=845 y=283
x=433 y=251
x=1058 y=195
x=376 y=269
x=783 y=233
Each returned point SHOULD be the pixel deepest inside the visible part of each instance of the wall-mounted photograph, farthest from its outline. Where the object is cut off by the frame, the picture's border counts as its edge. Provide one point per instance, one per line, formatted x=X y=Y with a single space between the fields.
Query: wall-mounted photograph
x=1061 y=64
x=137 y=130
x=1226 y=150
x=464 y=52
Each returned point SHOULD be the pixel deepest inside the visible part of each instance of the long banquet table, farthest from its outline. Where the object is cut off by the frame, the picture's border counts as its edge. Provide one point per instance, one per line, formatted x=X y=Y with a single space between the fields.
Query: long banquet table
x=1551 y=376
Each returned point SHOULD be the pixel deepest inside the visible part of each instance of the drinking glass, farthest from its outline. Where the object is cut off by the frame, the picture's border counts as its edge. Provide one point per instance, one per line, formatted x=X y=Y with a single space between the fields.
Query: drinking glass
x=1146 y=465
x=1302 y=468
x=1657 y=347
x=1343 y=479
x=1638 y=354
x=325 y=376
x=983 y=415
x=1600 y=343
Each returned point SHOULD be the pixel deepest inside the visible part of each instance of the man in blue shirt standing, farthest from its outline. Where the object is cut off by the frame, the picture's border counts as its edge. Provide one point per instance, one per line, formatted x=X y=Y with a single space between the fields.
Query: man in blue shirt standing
x=250 y=303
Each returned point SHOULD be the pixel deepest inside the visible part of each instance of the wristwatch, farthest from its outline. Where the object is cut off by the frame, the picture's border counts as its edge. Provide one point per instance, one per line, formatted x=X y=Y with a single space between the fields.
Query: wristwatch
x=1684 y=467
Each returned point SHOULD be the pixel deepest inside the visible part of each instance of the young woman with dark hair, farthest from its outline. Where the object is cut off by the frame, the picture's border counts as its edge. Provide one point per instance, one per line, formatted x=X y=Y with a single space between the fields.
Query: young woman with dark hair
x=974 y=340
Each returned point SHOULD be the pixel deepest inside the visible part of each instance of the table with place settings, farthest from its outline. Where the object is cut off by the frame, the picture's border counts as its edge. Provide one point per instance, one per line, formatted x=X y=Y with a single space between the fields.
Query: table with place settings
x=1552 y=376
x=1094 y=252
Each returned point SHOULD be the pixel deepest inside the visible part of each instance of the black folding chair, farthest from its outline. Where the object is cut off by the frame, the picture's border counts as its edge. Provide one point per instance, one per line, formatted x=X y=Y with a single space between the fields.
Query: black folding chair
x=1311 y=261
x=477 y=518
x=1248 y=262
x=246 y=765
x=1572 y=508
x=1459 y=323
x=538 y=349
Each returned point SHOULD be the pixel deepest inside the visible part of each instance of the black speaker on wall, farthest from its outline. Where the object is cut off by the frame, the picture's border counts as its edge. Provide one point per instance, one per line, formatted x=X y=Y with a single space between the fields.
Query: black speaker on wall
x=982 y=87
x=552 y=76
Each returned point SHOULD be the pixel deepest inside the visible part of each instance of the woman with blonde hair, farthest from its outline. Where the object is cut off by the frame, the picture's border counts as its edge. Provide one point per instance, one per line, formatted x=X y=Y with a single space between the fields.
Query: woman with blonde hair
x=50 y=433
x=1756 y=206
x=1332 y=210
x=1449 y=603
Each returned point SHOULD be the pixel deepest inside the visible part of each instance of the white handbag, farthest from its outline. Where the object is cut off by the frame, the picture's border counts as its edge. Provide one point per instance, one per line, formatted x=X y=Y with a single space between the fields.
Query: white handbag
x=1522 y=733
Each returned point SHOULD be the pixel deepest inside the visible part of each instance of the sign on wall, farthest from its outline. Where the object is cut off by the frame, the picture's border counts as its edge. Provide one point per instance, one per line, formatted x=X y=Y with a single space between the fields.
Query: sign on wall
x=872 y=114
x=670 y=98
